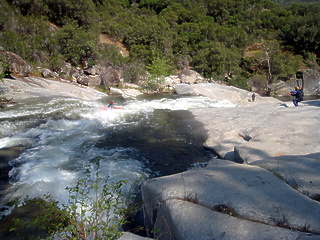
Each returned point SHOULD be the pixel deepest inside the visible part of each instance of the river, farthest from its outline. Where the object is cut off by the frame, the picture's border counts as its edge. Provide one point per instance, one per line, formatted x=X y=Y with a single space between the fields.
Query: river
x=46 y=143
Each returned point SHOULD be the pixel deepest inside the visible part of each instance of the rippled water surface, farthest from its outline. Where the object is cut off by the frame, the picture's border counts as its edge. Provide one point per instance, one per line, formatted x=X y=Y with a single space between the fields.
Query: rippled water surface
x=48 y=143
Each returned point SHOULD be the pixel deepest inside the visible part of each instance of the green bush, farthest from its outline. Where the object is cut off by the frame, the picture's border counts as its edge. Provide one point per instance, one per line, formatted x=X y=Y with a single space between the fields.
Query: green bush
x=158 y=70
x=4 y=65
x=75 y=44
x=96 y=209
x=133 y=72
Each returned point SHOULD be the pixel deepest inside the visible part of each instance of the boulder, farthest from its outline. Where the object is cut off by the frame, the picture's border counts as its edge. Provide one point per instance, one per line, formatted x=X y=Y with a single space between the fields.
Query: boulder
x=219 y=92
x=91 y=71
x=90 y=80
x=125 y=93
x=228 y=200
x=300 y=172
x=311 y=82
x=168 y=81
x=116 y=91
x=131 y=85
x=109 y=76
x=190 y=77
x=75 y=74
x=92 y=77
x=37 y=87
x=280 y=88
x=256 y=131
x=131 y=93
x=47 y=73
x=16 y=64
x=183 y=220
x=131 y=236
x=172 y=80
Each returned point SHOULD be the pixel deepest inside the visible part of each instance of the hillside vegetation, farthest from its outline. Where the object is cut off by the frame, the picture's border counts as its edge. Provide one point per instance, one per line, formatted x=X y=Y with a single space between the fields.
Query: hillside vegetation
x=229 y=40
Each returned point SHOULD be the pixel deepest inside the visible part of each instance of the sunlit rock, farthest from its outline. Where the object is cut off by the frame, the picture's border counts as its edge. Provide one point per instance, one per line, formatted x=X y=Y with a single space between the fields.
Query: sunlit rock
x=16 y=64
x=131 y=236
x=36 y=87
x=262 y=130
x=47 y=73
x=216 y=91
x=228 y=199
x=90 y=80
x=311 y=84
x=190 y=77
x=301 y=172
x=131 y=93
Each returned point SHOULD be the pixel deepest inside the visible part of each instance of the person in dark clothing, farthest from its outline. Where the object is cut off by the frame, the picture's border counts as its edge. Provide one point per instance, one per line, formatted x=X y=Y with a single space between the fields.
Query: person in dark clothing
x=253 y=97
x=298 y=94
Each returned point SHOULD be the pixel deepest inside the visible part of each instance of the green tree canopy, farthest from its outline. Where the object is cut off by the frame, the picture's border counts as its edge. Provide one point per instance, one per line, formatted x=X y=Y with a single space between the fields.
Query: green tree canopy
x=212 y=36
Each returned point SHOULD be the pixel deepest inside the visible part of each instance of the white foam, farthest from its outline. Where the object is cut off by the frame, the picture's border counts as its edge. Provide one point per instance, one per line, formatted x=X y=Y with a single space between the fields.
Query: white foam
x=185 y=103
x=14 y=141
x=59 y=149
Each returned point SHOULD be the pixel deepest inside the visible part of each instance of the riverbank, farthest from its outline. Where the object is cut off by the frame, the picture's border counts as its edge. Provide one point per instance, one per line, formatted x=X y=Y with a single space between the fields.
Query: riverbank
x=265 y=180
x=28 y=88
x=261 y=130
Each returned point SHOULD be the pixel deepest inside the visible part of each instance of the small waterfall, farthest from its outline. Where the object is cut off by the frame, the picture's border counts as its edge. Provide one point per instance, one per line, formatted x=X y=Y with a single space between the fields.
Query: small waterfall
x=54 y=139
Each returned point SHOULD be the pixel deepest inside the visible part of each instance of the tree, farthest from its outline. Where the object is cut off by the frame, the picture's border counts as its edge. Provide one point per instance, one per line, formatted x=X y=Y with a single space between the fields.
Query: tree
x=301 y=30
x=273 y=63
x=158 y=69
x=215 y=59
x=61 y=12
x=76 y=45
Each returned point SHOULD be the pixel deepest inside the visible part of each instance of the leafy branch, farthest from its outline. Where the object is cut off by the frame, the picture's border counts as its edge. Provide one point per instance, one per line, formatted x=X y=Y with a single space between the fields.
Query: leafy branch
x=96 y=209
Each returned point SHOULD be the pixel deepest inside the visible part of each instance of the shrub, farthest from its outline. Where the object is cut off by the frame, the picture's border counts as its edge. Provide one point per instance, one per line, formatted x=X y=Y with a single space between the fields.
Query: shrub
x=95 y=210
x=158 y=69
x=4 y=65
x=76 y=44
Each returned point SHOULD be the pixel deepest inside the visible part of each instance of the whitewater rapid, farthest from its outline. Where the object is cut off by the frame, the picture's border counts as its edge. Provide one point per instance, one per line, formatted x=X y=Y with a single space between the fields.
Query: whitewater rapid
x=60 y=136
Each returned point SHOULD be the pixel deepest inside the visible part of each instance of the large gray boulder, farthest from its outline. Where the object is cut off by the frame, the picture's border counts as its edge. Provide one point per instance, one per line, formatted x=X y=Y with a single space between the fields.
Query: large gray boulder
x=311 y=82
x=228 y=200
x=188 y=76
x=300 y=172
x=37 y=87
x=109 y=76
x=90 y=80
x=47 y=73
x=131 y=236
x=183 y=220
x=126 y=93
x=219 y=92
x=14 y=63
x=256 y=131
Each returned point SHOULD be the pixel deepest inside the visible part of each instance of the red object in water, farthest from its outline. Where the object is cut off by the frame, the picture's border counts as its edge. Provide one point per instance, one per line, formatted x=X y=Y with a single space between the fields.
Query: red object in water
x=106 y=108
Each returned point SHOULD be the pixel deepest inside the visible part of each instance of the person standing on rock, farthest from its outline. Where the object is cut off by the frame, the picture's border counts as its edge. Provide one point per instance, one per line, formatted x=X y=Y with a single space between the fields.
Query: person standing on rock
x=253 y=97
x=298 y=94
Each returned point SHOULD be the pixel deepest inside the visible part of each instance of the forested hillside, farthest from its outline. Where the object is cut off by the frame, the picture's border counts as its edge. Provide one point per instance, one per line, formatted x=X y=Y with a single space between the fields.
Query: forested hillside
x=290 y=2
x=229 y=40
